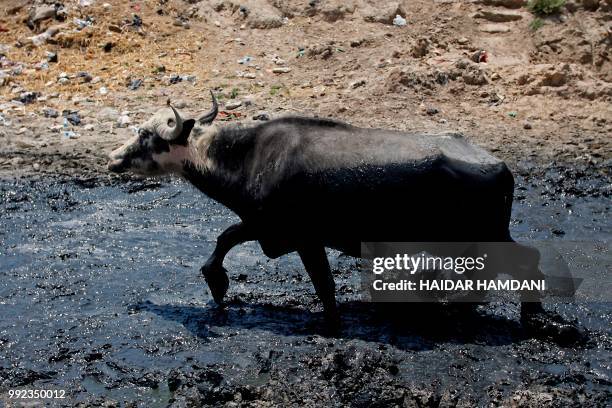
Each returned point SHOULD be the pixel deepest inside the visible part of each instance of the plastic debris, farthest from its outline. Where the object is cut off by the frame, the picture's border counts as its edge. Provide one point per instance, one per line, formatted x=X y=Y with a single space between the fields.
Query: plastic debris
x=225 y=116
x=134 y=84
x=85 y=76
x=245 y=60
x=27 y=97
x=175 y=79
x=41 y=39
x=83 y=23
x=41 y=65
x=72 y=117
x=50 y=113
x=51 y=56
x=189 y=78
x=480 y=56
x=399 y=21
x=136 y=20
x=43 y=12
x=68 y=134
x=103 y=90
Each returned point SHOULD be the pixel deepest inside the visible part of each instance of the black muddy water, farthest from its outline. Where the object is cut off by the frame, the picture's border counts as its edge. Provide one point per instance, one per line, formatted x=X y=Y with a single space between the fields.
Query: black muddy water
x=101 y=296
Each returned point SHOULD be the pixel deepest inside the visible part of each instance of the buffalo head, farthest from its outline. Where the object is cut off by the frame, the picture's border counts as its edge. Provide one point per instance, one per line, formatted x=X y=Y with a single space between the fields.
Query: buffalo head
x=161 y=144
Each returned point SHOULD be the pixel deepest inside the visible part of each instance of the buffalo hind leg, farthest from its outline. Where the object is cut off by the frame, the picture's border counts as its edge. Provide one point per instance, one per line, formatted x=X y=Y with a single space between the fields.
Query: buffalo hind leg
x=535 y=319
x=213 y=270
x=315 y=261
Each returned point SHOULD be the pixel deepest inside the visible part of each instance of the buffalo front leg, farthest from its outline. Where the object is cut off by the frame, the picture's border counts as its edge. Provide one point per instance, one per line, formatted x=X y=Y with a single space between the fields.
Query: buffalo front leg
x=317 y=266
x=213 y=270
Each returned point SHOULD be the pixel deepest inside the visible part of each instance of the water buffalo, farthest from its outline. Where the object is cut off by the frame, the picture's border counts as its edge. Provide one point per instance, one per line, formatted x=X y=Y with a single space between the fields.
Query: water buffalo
x=307 y=184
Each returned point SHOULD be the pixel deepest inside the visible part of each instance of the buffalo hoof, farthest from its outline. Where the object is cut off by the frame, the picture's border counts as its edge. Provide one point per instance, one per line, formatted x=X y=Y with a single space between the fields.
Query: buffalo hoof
x=217 y=280
x=551 y=326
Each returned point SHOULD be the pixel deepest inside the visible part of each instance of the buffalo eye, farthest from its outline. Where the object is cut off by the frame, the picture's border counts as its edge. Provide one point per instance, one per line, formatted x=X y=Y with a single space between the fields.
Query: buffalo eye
x=144 y=133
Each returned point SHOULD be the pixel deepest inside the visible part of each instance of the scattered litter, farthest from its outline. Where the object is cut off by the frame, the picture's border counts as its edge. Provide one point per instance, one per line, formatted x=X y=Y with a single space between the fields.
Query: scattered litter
x=86 y=3
x=496 y=99
x=134 y=84
x=51 y=56
x=69 y=134
x=480 y=56
x=83 y=23
x=85 y=76
x=512 y=114
x=27 y=97
x=41 y=39
x=72 y=117
x=399 y=21
x=189 y=78
x=224 y=115
x=43 y=12
x=103 y=90
x=263 y=115
x=136 y=20
x=245 y=60
x=50 y=112
x=357 y=84
x=281 y=70
x=41 y=65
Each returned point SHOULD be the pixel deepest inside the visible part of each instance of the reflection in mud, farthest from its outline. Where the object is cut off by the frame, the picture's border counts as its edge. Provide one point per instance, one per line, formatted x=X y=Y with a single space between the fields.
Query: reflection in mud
x=100 y=295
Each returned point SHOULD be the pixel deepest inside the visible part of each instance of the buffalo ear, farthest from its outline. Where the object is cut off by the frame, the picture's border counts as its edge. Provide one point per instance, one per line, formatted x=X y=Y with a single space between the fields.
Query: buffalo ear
x=187 y=127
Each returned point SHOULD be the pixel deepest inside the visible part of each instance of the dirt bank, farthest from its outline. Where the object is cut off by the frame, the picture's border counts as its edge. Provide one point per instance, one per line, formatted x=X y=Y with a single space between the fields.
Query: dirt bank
x=540 y=94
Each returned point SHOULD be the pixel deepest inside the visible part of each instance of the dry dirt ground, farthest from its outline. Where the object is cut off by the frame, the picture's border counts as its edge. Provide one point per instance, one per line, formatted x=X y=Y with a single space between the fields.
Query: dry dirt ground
x=542 y=95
